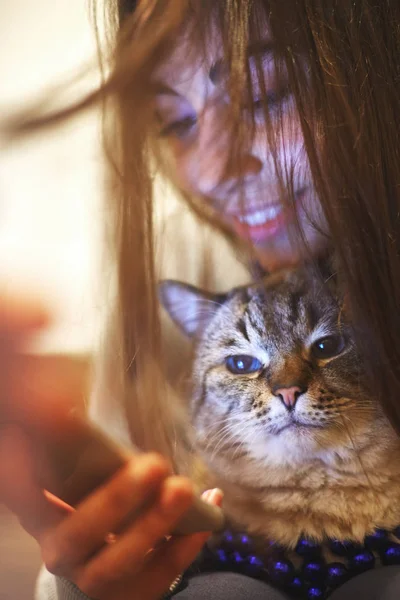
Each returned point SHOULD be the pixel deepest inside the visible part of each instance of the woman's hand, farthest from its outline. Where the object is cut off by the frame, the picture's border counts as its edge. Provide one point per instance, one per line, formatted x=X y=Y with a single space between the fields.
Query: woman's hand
x=115 y=544
x=135 y=562
x=109 y=547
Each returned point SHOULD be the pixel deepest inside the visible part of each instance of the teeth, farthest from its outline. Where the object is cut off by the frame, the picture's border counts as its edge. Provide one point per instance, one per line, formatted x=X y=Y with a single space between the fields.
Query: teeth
x=261 y=216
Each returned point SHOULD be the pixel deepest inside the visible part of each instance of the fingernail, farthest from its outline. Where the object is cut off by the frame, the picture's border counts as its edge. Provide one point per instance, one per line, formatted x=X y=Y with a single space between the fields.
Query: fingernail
x=206 y=495
x=213 y=496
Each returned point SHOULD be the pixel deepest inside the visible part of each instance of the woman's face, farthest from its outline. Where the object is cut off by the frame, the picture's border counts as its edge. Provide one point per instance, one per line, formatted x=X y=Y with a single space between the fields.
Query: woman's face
x=191 y=107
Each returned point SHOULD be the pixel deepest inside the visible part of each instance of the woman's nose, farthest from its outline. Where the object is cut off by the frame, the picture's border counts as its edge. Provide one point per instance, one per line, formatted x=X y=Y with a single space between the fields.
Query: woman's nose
x=244 y=166
x=215 y=164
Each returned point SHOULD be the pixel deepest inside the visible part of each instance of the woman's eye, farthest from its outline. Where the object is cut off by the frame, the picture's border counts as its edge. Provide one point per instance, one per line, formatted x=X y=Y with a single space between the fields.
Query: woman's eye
x=242 y=364
x=328 y=347
x=271 y=100
x=179 y=128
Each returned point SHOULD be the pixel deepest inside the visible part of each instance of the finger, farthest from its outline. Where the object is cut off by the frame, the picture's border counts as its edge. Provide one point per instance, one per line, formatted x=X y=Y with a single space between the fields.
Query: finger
x=206 y=495
x=120 y=561
x=106 y=510
x=172 y=559
x=168 y=562
x=214 y=496
x=19 y=489
x=119 y=569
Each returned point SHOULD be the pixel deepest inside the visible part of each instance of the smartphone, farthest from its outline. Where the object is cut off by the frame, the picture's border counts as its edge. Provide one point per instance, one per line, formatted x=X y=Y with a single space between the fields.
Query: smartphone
x=83 y=458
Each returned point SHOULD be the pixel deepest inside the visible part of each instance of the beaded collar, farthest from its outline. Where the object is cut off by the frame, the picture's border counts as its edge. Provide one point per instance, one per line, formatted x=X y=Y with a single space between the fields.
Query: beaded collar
x=310 y=571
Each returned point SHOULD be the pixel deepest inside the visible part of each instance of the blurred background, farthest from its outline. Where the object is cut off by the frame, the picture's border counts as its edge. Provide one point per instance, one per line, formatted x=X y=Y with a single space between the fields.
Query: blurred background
x=51 y=184
x=50 y=206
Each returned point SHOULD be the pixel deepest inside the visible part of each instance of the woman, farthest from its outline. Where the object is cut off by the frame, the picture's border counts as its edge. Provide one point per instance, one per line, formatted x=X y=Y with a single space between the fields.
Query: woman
x=277 y=122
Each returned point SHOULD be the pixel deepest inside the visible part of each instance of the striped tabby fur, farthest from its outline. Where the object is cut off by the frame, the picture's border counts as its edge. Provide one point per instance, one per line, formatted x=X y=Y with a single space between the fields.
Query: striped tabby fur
x=328 y=466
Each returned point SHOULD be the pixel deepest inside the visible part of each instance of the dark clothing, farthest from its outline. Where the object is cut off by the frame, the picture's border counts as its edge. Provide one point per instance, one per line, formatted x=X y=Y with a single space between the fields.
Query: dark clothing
x=377 y=584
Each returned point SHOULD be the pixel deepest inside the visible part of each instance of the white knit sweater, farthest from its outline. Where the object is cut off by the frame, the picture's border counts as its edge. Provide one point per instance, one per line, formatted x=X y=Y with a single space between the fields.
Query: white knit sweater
x=50 y=587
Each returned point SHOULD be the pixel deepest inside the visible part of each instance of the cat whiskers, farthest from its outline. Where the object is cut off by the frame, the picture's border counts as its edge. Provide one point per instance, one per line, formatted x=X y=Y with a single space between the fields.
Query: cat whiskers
x=220 y=435
x=220 y=441
x=233 y=426
x=252 y=432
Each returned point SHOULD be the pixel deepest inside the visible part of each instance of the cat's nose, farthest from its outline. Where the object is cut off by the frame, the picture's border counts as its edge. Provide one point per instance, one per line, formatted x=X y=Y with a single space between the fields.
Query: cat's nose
x=289 y=395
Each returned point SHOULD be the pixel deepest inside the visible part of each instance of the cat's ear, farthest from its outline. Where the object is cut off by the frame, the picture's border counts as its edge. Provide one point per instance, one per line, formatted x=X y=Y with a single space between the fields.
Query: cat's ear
x=190 y=308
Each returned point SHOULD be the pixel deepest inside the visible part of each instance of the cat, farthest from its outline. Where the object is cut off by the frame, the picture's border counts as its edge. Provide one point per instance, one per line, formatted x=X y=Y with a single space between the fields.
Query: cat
x=283 y=417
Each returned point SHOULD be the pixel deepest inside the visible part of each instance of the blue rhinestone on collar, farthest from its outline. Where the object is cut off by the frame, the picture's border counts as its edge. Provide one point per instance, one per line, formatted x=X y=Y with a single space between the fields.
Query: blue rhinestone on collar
x=311 y=571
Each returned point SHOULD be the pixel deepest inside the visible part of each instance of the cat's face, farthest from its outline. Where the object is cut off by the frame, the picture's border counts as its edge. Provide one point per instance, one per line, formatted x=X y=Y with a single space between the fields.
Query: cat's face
x=277 y=378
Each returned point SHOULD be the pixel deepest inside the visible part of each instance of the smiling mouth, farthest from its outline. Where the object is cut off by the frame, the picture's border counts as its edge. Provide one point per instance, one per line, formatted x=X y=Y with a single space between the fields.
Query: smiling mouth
x=264 y=222
x=261 y=216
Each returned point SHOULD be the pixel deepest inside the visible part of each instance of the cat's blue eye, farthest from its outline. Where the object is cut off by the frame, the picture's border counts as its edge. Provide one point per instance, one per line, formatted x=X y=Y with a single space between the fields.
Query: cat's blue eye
x=242 y=364
x=328 y=347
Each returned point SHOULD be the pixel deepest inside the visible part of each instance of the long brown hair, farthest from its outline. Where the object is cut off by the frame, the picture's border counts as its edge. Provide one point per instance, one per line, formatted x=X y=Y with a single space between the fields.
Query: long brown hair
x=342 y=63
